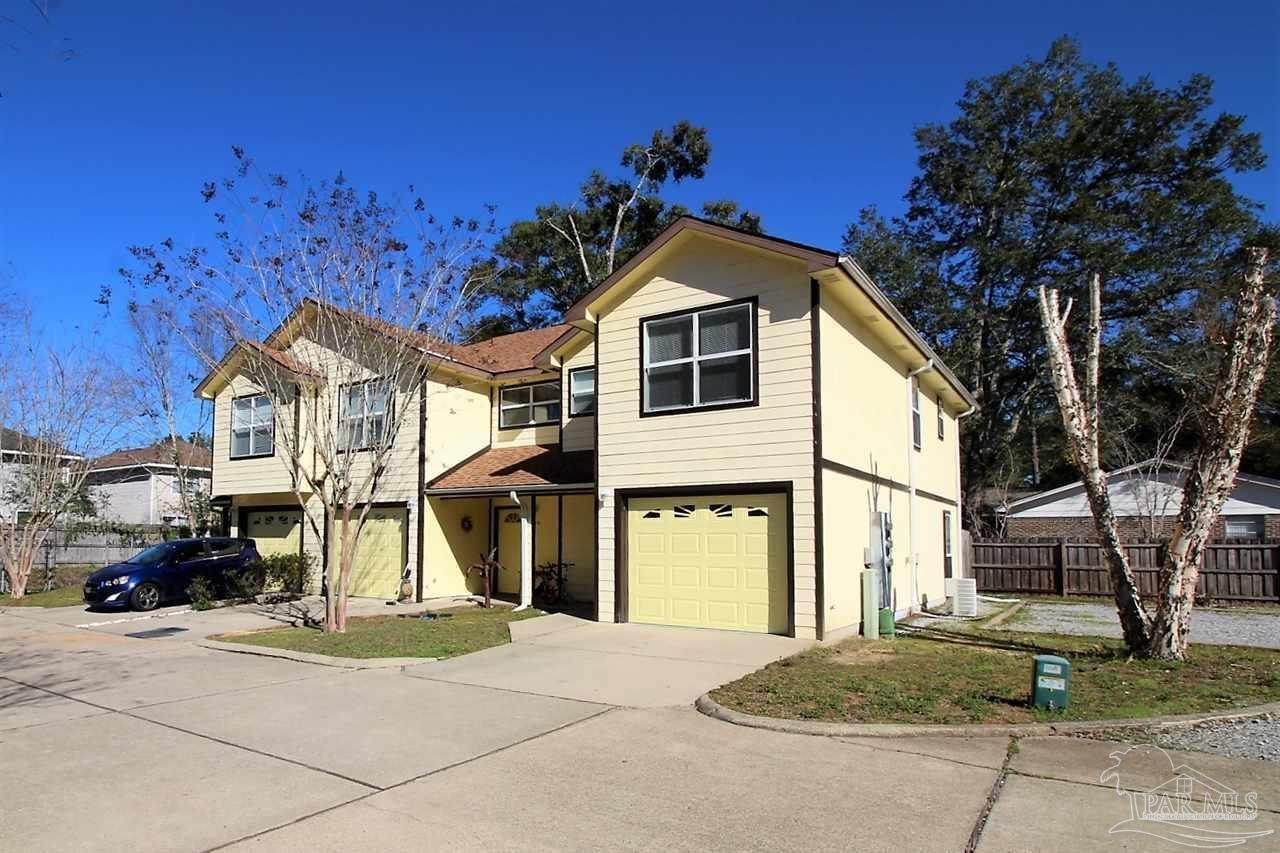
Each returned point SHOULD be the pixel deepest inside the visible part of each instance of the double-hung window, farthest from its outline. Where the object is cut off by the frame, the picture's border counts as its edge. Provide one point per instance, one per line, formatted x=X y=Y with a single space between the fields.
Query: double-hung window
x=700 y=359
x=529 y=405
x=252 y=427
x=917 y=429
x=363 y=412
x=582 y=391
x=942 y=424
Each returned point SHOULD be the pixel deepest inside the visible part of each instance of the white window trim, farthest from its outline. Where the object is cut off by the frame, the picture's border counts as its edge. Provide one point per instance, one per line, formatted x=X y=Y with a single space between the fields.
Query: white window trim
x=696 y=359
x=253 y=423
x=942 y=424
x=573 y=375
x=504 y=406
x=365 y=415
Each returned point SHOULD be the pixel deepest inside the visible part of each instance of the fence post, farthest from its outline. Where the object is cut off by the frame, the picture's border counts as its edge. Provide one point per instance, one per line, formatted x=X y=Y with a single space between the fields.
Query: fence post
x=1060 y=570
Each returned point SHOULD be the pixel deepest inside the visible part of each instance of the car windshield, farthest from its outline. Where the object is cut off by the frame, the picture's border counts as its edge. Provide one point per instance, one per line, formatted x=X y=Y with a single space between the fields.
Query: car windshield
x=152 y=556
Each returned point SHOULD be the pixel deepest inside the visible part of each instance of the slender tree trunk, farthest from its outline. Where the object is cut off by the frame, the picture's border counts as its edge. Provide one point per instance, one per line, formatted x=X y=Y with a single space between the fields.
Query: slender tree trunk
x=1080 y=423
x=1212 y=475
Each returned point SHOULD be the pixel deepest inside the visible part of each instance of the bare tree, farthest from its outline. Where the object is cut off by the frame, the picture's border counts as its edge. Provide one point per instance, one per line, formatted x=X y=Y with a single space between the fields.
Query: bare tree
x=58 y=414
x=159 y=382
x=1210 y=476
x=335 y=307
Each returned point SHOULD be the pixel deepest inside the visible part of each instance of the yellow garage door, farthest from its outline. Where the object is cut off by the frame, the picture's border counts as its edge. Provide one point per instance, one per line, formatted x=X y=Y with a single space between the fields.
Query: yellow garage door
x=380 y=553
x=274 y=531
x=718 y=561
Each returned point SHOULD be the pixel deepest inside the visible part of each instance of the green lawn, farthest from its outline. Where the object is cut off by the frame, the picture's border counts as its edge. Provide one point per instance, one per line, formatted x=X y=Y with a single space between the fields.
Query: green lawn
x=460 y=631
x=65 y=596
x=984 y=676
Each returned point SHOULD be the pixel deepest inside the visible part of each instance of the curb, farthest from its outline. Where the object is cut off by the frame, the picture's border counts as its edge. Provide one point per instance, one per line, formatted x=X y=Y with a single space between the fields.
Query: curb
x=715 y=710
x=312 y=658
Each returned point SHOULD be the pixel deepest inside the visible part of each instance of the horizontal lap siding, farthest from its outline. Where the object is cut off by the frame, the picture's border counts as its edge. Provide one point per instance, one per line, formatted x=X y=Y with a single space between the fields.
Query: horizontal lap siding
x=771 y=442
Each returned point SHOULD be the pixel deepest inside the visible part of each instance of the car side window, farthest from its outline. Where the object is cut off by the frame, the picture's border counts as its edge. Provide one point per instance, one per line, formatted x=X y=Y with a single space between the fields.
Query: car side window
x=224 y=548
x=188 y=551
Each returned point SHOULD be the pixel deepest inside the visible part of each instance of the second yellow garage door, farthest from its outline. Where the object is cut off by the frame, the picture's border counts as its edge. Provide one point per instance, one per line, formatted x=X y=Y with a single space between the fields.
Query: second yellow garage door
x=380 y=555
x=717 y=561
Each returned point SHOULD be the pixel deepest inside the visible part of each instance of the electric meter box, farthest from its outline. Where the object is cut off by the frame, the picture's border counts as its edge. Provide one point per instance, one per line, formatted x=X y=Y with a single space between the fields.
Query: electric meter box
x=1050 y=682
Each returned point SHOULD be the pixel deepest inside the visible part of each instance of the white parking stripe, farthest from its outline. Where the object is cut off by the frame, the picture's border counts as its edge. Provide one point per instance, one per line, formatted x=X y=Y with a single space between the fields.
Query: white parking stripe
x=136 y=618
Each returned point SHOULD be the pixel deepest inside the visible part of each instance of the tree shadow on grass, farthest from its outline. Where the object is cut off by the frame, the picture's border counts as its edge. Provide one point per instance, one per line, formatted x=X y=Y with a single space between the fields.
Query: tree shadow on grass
x=1097 y=651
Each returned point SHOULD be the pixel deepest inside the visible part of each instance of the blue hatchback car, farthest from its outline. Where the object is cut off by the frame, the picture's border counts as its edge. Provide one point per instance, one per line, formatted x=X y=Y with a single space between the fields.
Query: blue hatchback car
x=163 y=572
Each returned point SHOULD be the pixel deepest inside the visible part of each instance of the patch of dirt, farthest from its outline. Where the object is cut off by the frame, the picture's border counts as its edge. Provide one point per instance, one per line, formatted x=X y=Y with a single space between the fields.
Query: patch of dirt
x=862 y=656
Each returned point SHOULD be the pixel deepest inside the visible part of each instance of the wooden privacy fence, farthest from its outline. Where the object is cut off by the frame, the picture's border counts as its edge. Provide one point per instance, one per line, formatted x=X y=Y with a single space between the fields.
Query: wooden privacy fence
x=1243 y=572
x=92 y=550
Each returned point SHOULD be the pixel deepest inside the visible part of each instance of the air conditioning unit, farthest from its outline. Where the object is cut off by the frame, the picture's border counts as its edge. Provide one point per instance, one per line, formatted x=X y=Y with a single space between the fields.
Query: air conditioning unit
x=965 y=601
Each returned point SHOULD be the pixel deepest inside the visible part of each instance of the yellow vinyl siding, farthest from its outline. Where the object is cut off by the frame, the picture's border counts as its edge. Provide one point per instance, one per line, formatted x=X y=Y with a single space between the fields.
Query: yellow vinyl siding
x=866 y=426
x=578 y=433
x=457 y=421
x=769 y=442
x=259 y=475
x=450 y=549
x=580 y=544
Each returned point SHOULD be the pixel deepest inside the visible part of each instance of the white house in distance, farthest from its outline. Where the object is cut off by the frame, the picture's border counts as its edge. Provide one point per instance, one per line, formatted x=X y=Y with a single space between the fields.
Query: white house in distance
x=1146 y=498
x=16 y=449
x=139 y=485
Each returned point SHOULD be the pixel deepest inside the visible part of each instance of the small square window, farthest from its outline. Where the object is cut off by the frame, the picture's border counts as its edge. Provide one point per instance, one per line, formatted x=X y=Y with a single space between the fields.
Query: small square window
x=582 y=391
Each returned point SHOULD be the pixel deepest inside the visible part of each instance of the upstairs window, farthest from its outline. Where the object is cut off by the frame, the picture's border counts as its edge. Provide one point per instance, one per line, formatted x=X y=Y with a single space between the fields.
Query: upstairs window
x=253 y=428
x=701 y=359
x=942 y=424
x=582 y=391
x=529 y=405
x=917 y=430
x=363 y=411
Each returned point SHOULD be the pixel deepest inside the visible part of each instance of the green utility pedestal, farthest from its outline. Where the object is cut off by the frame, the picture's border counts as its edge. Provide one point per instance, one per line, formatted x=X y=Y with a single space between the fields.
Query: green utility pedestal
x=1050 y=682
x=886 y=622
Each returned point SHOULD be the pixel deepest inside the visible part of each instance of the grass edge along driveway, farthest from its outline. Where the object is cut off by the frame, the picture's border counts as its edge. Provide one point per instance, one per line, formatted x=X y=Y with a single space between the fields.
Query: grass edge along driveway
x=455 y=632
x=984 y=676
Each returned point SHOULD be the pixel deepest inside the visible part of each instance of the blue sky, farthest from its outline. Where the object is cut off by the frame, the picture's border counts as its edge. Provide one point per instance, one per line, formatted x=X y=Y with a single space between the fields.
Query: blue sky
x=810 y=107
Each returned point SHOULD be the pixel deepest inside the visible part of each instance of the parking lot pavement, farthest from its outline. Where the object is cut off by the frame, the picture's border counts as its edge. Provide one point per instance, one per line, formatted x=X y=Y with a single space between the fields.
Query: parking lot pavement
x=157 y=744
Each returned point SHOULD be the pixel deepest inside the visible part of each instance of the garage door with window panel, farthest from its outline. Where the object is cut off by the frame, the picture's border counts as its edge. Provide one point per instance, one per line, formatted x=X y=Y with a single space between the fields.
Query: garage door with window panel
x=714 y=561
x=380 y=553
x=274 y=531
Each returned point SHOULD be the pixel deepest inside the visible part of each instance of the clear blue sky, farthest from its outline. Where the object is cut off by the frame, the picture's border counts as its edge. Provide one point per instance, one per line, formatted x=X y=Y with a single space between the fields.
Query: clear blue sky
x=810 y=107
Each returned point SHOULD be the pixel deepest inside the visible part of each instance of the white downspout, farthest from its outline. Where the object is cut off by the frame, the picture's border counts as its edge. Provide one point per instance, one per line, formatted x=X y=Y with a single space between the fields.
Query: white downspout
x=911 y=483
x=526 y=551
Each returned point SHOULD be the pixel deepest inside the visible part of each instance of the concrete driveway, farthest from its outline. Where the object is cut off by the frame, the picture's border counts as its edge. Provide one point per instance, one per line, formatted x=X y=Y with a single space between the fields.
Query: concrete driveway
x=576 y=736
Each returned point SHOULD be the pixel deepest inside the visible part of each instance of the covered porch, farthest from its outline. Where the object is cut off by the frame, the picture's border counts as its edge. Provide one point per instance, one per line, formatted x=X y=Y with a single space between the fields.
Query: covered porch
x=533 y=508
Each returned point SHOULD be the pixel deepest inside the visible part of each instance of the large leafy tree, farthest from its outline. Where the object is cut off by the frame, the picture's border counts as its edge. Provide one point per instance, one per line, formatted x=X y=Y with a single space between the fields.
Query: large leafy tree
x=542 y=265
x=1054 y=168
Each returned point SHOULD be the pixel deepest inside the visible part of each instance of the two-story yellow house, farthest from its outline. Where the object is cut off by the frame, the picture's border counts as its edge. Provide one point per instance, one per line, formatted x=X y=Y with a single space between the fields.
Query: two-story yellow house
x=722 y=434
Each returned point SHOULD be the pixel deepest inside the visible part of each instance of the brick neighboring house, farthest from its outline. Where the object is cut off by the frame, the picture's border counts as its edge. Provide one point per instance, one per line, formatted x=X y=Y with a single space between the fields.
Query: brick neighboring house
x=1146 y=498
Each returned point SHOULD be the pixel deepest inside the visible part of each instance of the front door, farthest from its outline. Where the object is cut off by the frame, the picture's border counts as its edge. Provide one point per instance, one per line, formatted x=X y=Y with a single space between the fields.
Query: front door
x=506 y=523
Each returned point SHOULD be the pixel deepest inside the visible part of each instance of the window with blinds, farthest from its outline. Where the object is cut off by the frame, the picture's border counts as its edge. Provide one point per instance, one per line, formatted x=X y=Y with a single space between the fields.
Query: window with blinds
x=699 y=359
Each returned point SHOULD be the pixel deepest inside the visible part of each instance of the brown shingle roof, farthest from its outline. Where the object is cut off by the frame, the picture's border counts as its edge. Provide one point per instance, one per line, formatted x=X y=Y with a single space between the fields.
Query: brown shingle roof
x=160 y=453
x=13 y=441
x=506 y=353
x=511 y=467
x=283 y=359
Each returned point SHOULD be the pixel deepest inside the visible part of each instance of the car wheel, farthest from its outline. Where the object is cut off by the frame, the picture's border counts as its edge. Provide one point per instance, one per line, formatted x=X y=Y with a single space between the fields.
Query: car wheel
x=145 y=596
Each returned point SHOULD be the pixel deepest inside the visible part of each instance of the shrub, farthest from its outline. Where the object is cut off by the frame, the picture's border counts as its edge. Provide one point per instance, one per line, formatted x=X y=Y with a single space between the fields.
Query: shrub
x=287 y=572
x=246 y=581
x=201 y=594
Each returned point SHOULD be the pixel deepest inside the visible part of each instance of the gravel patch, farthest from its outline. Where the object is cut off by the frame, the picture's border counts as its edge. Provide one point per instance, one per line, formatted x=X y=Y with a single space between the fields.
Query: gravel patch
x=1257 y=738
x=1218 y=627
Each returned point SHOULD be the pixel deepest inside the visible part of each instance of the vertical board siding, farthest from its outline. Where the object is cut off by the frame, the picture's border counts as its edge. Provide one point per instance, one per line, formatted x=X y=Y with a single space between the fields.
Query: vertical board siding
x=1243 y=572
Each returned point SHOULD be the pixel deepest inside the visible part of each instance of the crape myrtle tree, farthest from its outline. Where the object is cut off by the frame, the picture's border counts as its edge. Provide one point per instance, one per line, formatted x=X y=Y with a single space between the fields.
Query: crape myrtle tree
x=1053 y=168
x=542 y=265
x=333 y=306
x=58 y=411
x=1241 y=346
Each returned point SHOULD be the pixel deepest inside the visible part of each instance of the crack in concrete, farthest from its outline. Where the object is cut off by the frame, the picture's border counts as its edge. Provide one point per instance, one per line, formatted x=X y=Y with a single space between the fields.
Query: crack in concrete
x=975 y=837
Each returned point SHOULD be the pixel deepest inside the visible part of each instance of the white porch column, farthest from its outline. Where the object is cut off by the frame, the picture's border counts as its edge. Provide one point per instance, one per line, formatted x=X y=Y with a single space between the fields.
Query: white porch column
x=526 y=551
